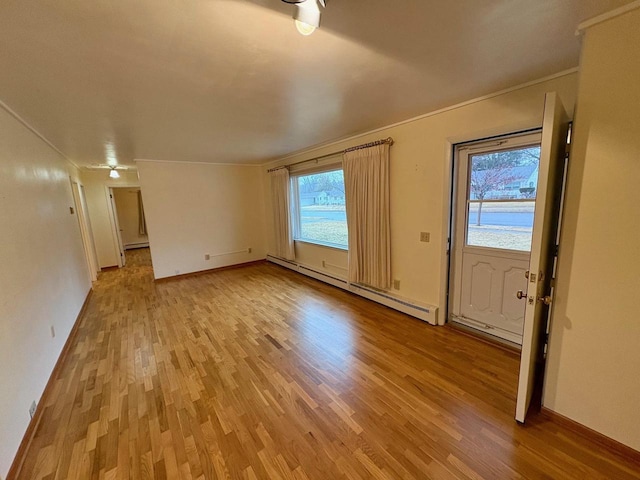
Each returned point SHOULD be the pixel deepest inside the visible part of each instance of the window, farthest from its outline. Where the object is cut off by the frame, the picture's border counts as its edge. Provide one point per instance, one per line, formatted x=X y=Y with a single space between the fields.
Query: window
x=500 y=204
x=319 y=212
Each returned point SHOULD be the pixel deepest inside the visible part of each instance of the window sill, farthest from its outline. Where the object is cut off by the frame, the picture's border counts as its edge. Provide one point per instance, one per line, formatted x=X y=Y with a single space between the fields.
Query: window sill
x=322 y=244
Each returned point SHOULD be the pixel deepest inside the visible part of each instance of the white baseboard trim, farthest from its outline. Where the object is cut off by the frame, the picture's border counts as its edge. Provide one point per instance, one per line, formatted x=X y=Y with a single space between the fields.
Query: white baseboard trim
x=427 y=313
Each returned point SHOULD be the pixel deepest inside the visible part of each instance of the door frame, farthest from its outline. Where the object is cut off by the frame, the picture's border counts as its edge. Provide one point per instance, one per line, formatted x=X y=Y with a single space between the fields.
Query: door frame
x=450 y=201
x=113 y=219
x=461 y=169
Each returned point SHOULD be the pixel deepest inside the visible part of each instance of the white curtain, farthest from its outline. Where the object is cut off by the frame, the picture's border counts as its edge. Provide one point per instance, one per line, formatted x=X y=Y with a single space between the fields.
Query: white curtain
x=280 y=194
x=366 y=179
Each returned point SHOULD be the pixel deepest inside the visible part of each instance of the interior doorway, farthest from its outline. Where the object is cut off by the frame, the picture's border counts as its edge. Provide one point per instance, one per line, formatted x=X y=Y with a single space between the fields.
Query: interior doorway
x=127 y=220
x=495 y=197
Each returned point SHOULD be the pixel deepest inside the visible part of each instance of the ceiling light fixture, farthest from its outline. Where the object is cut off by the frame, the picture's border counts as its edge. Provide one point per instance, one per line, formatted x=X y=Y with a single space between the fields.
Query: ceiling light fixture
x=304 y=28
x=307 y=14
x=114 y=173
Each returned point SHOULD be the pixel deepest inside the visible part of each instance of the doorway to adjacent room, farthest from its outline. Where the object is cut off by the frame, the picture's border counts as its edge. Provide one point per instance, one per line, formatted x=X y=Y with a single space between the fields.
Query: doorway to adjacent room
x=128 y=221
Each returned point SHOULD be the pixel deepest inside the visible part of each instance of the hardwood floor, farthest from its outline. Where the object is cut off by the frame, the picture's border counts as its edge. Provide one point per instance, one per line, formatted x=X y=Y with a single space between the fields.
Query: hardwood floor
x=260 y=373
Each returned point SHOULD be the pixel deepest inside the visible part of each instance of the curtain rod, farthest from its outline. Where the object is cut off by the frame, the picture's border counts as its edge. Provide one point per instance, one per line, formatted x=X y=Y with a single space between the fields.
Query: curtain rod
x=388 y=140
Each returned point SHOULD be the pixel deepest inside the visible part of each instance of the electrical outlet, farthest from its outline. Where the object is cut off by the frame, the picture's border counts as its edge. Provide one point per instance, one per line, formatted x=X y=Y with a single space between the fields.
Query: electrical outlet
x=32 y=409
x=425 y=237
x=396 y=284
x=53 y=332
x=249 y=250
x=207 y=256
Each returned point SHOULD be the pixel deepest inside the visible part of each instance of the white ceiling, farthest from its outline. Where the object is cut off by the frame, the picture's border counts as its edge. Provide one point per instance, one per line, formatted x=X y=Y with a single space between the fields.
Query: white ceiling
x=231 y=81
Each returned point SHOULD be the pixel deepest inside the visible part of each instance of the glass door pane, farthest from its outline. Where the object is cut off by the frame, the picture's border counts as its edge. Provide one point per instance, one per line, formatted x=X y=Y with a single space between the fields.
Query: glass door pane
x=501 y=198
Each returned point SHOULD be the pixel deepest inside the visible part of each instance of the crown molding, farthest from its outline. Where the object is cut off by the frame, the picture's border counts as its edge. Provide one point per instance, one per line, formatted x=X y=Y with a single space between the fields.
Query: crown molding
x=606 y=16
x=331 y=143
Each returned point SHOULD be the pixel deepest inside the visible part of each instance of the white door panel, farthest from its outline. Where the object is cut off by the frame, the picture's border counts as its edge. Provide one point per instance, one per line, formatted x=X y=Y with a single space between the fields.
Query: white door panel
x=544 y=240
x=480 y=276
x=490 y=284
x=115 y=226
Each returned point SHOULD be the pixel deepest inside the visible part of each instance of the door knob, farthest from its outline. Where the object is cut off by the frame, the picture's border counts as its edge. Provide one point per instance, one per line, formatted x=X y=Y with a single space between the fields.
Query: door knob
x=546 y=300
x=520 y=294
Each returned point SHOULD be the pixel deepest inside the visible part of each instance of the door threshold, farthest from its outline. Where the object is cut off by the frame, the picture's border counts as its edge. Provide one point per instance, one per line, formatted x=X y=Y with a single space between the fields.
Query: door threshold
x=490 y=330
x=485 y=337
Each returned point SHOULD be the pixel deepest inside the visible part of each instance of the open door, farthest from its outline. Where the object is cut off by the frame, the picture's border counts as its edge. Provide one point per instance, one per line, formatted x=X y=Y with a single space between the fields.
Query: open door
x=85 y=229
x=555 y=127
x=115 y=226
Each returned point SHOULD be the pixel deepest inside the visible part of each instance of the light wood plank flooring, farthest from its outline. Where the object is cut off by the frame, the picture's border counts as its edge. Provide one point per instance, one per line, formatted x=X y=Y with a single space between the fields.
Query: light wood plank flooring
x=259 y=373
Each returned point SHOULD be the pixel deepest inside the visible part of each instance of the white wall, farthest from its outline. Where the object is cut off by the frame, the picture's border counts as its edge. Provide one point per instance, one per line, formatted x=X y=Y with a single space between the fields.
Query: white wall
x=420 y=181
x=197 y=209
x=593 y=369
x=126 y=200
x=95 y=183
x=43 y=279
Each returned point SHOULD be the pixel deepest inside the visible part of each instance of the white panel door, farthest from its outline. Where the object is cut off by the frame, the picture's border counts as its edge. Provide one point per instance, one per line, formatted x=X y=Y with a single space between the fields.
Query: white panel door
x=495 y=204
x=543 y=248
x=115 y=227
x=85 y=230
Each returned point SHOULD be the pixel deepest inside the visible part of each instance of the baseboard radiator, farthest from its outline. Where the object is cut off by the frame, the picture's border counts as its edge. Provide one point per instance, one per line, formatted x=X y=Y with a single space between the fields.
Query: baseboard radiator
x=132 y=246
x=427 y=313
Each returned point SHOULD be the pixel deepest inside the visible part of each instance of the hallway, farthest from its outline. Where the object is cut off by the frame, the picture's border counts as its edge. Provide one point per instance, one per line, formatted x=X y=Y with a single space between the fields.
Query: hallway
x=258 y=372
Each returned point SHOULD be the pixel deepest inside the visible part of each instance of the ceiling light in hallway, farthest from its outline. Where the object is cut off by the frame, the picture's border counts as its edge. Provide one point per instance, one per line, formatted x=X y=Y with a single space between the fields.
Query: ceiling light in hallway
x=307 y=14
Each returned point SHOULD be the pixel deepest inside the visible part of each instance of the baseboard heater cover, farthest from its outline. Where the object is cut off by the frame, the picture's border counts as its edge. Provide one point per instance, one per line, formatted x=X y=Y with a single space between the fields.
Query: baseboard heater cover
x=427 y=313
x=132 y=246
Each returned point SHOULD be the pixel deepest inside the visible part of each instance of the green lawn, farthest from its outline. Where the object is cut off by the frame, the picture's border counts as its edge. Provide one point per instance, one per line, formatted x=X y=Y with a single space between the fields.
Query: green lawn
x=512 y=238
x=326 y=231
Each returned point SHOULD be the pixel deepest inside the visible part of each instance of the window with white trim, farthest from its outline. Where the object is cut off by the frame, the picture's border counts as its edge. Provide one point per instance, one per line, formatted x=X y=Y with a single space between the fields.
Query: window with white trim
x=318 y=207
